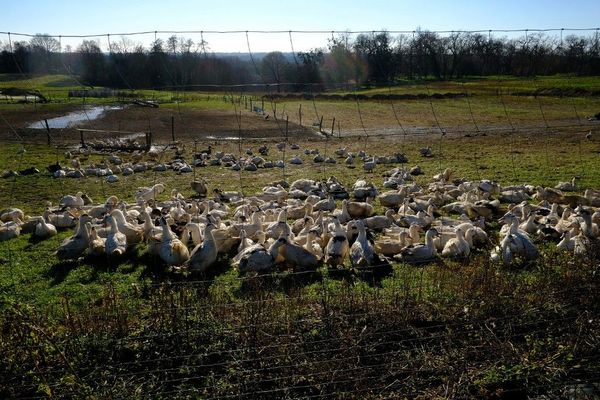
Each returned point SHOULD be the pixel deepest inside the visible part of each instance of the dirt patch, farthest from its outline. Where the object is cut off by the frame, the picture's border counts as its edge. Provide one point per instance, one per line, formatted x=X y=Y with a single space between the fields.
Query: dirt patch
x=188 y=124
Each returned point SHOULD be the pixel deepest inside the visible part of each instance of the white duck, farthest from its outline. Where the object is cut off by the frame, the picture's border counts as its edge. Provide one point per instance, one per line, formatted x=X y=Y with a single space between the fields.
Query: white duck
x=285 y=252
x=61 y=221
x=204 y=255
x=9 y=230
x=96 y=243
x=362 y=254
x=516 y=243
x=338 y=248
x=146 y=193
x=72 y=201
x=567 y=186
x=134 y=233
x=390 y=247
x=312 y=245
x=44 y=230
x=566 y=242
x=74 y=246
x=457 y=247
x=170 y=249
x=419 y=253
x=116 y=241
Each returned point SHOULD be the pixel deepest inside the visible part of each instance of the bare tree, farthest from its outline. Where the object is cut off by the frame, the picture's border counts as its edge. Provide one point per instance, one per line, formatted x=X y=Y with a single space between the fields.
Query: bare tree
x=273 y=67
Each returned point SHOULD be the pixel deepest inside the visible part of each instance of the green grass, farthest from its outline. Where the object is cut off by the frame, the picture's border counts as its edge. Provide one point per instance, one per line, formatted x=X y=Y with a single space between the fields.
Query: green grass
x=483 y=85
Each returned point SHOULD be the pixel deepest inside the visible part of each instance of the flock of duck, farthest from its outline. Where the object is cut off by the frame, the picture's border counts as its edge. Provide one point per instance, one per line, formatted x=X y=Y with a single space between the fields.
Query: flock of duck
x=309 y=223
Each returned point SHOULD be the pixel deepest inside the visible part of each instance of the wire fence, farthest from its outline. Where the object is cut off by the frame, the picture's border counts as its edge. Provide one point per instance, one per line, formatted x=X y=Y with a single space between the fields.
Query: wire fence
x=312 y=334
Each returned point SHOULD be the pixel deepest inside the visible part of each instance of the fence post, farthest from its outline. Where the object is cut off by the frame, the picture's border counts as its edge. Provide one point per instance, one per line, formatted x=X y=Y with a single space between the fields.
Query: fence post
x=321 y=124
x=333 y=126
x=286 y=127
x=47 y=131
x=173 y=128
x=81 y=138
x=300 y=114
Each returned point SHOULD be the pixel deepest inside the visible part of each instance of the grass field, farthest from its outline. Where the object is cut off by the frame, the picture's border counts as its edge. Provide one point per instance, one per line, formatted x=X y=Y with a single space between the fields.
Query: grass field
x=97 y=328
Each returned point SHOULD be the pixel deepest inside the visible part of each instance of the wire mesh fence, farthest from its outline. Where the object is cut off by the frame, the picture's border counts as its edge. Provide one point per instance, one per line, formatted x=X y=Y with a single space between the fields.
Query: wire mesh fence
x=450 y=331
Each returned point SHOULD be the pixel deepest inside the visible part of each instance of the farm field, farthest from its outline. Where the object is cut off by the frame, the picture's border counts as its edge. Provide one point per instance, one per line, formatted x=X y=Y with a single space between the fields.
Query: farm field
x=132 y=327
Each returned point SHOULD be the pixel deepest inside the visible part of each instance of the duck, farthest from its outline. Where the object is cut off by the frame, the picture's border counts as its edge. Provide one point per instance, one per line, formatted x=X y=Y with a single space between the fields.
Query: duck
x=312 y=245
x=567 y=243
x=362 y=253
x=457 y=247
x=284 y=251
x=74 y=246
x=530 y=226
x=72 y=201
x=419 y=253
x=9 y=230
x=516 y=244
x=369 y=166
x=96 y=243
x=149 y=193
x=204 y=255
x=12 y=214
x=586 y=240
x=170 y=249
x=342 y=215
x=567 y=186
x=116 y=241
x=44 y=230
x=393 y=198
x=61 y=221
x=134 y=233
x=381 y=222
x=254 y=258
x=360 y=209
x=338 y=247
x=390 y=247
x=565 y=221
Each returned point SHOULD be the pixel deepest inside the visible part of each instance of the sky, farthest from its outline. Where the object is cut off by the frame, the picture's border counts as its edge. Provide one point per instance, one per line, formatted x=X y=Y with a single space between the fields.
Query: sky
x=84 y=17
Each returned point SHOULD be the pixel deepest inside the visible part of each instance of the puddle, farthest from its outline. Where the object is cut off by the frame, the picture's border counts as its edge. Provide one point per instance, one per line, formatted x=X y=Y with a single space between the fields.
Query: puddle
x=73 y=118
x=222 y=138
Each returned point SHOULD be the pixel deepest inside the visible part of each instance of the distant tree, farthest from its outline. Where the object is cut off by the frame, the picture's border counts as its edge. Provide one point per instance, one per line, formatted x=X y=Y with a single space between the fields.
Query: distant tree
x=428 y=52
x=376 y=50
x=273 y=68
x=341 y=65
x=308 y=76
x=172 y=44
x=93 y=64
x=156 y=68
x=43 y=49
x=44 y=42
x=458 y=45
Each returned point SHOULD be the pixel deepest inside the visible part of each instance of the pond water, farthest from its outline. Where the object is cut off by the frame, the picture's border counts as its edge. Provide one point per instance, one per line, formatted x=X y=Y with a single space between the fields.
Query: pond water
x=73 y=118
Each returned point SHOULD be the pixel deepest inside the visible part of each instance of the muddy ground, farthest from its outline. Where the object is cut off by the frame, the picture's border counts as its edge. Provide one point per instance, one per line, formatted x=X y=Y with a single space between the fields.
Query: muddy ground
x=189 y=124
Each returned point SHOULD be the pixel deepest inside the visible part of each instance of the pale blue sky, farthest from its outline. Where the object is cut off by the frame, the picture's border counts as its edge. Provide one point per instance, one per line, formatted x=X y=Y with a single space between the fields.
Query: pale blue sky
x=63 y=17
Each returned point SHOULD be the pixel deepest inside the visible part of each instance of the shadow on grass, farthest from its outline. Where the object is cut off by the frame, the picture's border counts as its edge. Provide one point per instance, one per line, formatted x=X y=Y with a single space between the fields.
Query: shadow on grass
x=59 y=271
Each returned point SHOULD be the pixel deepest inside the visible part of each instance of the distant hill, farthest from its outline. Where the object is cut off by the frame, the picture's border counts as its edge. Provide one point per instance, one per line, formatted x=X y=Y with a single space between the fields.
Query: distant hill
x=245 y=56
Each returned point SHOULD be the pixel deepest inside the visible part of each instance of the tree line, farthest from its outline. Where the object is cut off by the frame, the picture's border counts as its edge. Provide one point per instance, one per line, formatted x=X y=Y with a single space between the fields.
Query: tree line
x=345 y=62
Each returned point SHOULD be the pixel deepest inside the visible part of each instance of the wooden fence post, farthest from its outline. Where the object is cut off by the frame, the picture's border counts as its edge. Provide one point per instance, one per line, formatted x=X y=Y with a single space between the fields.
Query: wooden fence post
x=286 y=127
x=173 y=128
x=47 y=131
x=333 y=126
